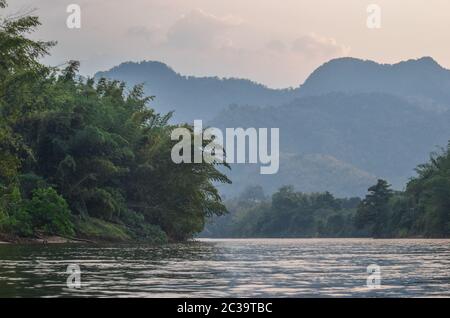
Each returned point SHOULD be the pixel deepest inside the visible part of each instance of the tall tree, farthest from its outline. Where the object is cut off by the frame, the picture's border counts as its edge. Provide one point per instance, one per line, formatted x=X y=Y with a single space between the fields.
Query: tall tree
x=430 y=191
x=373 y=211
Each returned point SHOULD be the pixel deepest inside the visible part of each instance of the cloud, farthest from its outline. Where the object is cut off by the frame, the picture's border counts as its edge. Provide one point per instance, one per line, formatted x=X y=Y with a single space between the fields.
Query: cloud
x=316 y=46
x=140 y=31
x=230 y=46
x=206 y=41
x=201 y=43
x=199 y=30
x=153 y=35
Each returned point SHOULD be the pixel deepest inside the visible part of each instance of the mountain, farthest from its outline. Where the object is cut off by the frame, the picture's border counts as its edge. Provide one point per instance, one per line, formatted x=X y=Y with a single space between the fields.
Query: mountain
x=194 y=97
x=381 y=134
x=361 y=118
x=422 y=80
x=307 y=173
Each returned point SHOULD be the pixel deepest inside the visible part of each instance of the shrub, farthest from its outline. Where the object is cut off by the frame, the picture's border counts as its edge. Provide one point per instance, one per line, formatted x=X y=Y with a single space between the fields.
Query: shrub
x=143 y=231
x=49 y=213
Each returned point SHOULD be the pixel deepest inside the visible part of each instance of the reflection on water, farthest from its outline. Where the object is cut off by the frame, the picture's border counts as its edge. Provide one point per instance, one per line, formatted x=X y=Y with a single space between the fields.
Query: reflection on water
x=231 y=268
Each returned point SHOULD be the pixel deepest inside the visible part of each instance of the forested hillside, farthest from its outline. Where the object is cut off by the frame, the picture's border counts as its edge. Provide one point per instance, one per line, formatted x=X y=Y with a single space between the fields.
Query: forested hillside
x=373 y=134
x=89 y=158
x=308 y=172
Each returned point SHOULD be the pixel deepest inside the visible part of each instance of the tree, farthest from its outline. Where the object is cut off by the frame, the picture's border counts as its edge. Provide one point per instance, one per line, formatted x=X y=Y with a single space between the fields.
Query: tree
x=89 y=155
x=252 y=194
x=287 y=214
x=430 y=192
x=373 y=211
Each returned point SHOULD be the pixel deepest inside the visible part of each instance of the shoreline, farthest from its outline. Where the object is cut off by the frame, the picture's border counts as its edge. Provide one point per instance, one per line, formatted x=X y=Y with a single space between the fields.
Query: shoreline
x=55 y=240
x=44 y=240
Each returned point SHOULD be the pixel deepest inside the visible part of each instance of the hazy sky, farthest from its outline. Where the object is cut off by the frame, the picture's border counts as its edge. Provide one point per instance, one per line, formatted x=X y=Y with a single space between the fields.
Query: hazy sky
x=275 y=42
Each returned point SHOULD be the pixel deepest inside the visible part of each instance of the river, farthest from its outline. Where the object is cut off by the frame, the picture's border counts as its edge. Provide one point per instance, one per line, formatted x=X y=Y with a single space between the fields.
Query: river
x=229 y=268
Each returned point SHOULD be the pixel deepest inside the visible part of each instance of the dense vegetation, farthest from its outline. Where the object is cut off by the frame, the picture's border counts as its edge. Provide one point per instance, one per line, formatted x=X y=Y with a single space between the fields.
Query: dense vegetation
x=286 y=214
x=423 y=210
x=89 y=158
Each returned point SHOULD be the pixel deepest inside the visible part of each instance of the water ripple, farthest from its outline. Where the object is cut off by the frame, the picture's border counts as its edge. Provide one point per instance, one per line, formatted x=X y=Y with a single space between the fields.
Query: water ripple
x=231 y=268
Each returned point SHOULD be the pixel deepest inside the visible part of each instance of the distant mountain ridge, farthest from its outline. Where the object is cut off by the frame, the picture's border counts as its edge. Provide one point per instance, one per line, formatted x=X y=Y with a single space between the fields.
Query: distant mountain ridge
x=422 y=78
x=382 y=134
x=308 y=173
x=358 y=118
x=195 y=97
x=422 y=81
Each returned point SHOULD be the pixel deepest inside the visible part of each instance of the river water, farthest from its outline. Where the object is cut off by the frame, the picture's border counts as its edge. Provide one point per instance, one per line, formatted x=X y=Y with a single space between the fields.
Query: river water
x=230 y=268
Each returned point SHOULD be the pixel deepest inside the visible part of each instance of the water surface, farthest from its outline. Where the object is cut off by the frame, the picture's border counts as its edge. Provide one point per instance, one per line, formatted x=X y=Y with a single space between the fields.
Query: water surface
x=231 y=268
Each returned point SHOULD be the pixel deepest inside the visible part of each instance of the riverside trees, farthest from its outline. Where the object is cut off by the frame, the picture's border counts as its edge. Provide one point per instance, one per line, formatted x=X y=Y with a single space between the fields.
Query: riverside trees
x=422 y=210
x=89 y=158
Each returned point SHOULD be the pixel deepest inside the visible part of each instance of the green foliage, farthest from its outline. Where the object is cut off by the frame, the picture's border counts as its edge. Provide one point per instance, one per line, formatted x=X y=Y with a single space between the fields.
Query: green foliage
x=430 y=193
x=142 y=230
x=88 y=151
x=93 y=228
x=374 y=209
x=286 y=214
x=49 y=213
x=15 y=219
x=423 y=210
x=45 y=213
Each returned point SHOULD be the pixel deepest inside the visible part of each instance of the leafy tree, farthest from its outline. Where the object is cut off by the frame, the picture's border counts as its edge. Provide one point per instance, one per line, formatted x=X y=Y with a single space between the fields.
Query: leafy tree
x=252 y=193
x=423 y=210
x=78 y=154
x=287 y=214
x=430 y=192
x=49 y=213
x=374 y=209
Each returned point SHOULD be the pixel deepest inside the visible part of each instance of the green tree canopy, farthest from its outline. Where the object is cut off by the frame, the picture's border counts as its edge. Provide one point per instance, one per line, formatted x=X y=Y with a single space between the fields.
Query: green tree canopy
x=76 y=150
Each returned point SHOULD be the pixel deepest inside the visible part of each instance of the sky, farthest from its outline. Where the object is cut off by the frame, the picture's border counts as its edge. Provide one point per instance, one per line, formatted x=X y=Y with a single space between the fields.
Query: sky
x=274 y=42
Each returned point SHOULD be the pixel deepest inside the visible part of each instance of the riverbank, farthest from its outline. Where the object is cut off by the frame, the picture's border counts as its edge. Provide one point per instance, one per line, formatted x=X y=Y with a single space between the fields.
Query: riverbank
x=43 y=240
x=89 y=231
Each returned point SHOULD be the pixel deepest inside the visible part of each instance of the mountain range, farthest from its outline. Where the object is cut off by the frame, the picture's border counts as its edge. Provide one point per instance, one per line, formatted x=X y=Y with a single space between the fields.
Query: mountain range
x=195 y=97
x=352 y=121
